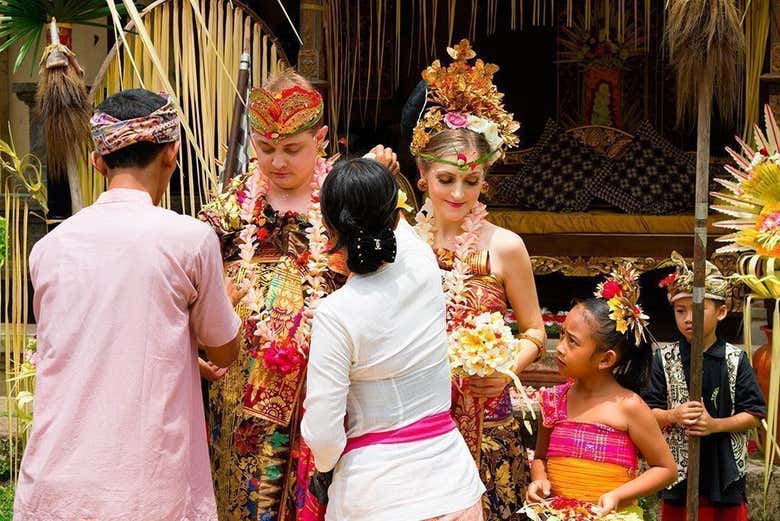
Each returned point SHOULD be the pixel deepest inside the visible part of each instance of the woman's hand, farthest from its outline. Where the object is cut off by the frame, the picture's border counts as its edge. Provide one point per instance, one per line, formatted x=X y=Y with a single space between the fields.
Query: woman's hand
x=538 y=491
x=486 y=386
x=387 y=157
x=608 y=503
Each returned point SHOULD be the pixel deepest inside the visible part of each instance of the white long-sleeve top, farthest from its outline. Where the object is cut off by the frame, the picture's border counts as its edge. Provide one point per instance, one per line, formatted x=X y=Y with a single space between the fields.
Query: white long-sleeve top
x=379 y=354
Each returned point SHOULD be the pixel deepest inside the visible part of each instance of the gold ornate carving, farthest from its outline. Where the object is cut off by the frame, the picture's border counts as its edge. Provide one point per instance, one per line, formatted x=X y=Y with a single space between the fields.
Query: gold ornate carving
x=589 y=266
x=595 y=266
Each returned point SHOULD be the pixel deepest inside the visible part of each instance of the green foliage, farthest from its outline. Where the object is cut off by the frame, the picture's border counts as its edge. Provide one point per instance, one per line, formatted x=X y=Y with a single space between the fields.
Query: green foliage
x=23 y=21
x=6 y=503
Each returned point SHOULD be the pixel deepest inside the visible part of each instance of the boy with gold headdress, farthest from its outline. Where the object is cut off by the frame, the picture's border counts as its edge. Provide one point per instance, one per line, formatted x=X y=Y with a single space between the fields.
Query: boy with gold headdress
x=730 y=406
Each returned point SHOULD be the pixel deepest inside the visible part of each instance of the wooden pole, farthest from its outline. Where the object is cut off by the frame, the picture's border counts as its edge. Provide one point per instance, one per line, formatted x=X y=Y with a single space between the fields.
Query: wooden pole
x=699 y=265
x=236 y=132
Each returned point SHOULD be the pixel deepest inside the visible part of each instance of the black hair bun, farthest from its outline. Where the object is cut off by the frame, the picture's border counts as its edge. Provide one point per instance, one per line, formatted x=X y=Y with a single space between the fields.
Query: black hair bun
x=367 y=251
x=413 y=107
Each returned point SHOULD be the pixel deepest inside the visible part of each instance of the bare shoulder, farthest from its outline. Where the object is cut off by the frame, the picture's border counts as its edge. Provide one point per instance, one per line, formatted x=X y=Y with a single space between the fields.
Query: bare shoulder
x=506 y=243
x=633 y=404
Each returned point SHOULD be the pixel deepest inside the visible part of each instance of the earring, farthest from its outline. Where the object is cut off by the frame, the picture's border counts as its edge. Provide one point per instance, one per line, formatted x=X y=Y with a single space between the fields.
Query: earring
x=485 y=188
x=422 y=185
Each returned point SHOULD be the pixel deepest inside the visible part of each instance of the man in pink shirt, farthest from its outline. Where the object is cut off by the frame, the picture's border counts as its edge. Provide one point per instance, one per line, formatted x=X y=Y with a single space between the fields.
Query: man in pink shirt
x=124 y=293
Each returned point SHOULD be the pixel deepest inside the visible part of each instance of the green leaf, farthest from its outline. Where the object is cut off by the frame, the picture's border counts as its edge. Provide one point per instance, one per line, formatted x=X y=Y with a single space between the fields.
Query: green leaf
x=24 y=50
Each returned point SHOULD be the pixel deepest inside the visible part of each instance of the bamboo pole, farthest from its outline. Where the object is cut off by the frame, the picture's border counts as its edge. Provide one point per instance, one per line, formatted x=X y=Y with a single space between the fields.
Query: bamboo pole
x=236 y=132
x=699 y=263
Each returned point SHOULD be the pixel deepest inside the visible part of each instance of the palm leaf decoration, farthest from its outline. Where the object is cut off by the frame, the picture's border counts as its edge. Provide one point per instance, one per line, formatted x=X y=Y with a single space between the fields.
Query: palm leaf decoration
x=23 y=21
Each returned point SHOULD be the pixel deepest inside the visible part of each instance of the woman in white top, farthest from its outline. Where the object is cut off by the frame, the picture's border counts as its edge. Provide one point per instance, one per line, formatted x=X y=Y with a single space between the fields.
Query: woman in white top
x=379 y=356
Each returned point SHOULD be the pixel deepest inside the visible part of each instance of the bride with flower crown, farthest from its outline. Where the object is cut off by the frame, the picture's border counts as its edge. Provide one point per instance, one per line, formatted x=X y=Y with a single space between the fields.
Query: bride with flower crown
x=486 y=268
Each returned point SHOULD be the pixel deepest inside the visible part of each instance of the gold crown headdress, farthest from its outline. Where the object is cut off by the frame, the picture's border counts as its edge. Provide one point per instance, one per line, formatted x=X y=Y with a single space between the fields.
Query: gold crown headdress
x=284 y=114
x=621 y=292
x=463 y=96
x=754 y=198
x=680 y=283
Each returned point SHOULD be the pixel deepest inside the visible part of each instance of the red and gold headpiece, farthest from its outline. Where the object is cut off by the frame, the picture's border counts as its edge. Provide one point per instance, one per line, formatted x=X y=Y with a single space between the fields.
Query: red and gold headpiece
x=284 y=114
x=621 y=291
x=464 y=96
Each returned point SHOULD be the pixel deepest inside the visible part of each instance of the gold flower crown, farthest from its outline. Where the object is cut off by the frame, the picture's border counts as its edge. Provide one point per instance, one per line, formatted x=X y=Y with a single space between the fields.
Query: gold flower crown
x=621 y=292
x=464 y=96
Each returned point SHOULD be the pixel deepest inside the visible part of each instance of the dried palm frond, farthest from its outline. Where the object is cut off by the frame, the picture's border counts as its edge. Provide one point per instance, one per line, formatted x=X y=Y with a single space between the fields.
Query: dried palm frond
x=63 y=105
x=705 y=35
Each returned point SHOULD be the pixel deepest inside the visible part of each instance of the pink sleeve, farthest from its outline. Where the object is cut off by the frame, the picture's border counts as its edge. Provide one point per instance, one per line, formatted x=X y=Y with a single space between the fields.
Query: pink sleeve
x=212 y=317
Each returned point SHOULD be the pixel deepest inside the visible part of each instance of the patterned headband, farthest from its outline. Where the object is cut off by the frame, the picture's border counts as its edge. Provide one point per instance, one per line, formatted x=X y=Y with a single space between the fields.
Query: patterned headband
x=111 y=134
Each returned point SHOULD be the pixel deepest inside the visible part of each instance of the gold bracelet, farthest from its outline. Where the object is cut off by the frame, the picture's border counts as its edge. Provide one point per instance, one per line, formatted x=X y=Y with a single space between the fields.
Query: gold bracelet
x=540 y=347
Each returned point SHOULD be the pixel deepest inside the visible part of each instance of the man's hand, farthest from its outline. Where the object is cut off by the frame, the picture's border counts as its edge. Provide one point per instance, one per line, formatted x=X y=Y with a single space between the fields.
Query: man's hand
x=209 y=371
x=486 y=386
x=538 y=491
x=688 y=413
x=234 y=293
x=703 y=426
x=387 y=157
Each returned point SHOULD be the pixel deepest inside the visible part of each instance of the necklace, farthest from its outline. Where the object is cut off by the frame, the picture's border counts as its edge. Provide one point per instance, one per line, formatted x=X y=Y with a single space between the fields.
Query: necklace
x=286 y=354
x=454 y=280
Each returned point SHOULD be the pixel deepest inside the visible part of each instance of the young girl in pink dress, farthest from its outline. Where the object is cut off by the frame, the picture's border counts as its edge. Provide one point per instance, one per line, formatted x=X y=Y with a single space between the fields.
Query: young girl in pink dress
x=594 y=426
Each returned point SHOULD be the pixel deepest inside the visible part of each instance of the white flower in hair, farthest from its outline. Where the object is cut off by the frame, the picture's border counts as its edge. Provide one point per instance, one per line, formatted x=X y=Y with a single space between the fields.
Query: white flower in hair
x=487 y=129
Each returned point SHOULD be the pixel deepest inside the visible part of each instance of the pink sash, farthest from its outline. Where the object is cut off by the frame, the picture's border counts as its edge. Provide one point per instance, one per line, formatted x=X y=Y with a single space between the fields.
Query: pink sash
x=424 y=429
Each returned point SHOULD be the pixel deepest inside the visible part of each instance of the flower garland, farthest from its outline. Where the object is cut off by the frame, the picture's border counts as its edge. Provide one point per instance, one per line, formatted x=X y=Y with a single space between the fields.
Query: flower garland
x=561 y=508
x=284 y=355
x=454 y=282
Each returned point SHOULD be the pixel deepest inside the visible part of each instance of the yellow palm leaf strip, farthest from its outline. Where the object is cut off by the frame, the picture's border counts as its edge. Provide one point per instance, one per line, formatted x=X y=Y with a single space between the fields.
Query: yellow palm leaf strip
x=756 y=34
x=150 y=49
x=194 y=83
x=774 y=394
x=266 y=66
x=258 y=57
x=241 y=26
x=199 y=17
x=274 y=60
x=207 y=96
x=128 y=79
x=204 y=96
x=177 y=81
